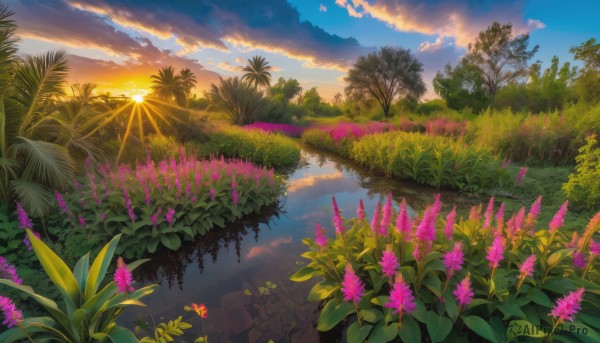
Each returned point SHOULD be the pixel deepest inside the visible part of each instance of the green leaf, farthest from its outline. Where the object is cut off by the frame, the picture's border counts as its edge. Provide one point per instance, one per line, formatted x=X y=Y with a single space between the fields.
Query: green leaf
x=81 y=270
x=539 y=297
x=333 y=313
x=450 y=304
x=477 y=302
x=438 y=326
x=98 y=270
x=480 y=327
x=433 y=283
x=381 y=300
x=383 y=332
x=171 y=241
x=510 y=309
x=371 y=315
x=409 y=332
x=322 y=290
x=357 y=333
x=119 y=334
x=304 y=274
x=558 y=256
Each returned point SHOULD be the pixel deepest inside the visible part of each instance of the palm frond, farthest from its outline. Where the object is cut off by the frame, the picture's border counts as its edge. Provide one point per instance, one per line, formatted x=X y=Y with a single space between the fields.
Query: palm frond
x=36 y=198
x=8 y=171
x=44 y=162
x=8 y=46
x=38 y=79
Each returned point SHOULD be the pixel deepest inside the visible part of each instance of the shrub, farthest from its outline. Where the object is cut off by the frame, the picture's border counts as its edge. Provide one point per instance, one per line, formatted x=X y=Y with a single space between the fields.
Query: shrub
x=239 y=99
x=286 y=129
x=161 y=205
x=467 y=281
x=432 y=160
x=583 y=187
x=320 y=139
x=90 y=311
x=267 y=149
x=445 y=127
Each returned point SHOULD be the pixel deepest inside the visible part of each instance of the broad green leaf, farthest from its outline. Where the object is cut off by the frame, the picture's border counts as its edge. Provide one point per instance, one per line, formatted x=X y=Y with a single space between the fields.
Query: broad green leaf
x=438 y=326
x=171 y=241
x=371 y=315
x=409 y=332
x=383 y=332
x=322 y=290
x=98 y=270
x=539 y=297
x=357 y=333
x=510 y=309
x=81 y=270
x=480 y=327
x=333 y=313
x=558 y=256
x=119 y=334
x=304 y=274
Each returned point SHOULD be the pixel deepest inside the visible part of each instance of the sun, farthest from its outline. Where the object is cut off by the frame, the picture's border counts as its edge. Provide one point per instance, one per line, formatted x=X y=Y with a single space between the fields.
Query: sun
x=138 y=98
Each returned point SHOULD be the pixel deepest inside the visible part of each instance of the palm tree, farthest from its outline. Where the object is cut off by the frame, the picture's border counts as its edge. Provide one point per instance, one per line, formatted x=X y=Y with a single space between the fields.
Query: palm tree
x=188 y=81
x=168 y=86
x=30 y=166
x=257 y=72
x=238 y=98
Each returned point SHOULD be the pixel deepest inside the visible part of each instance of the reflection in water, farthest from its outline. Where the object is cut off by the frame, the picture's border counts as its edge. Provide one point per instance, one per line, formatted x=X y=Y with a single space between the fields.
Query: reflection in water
x=246 y=287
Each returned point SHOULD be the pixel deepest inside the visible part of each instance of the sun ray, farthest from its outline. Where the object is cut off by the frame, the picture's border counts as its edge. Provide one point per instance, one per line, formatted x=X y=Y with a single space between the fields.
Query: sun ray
x=124 y=139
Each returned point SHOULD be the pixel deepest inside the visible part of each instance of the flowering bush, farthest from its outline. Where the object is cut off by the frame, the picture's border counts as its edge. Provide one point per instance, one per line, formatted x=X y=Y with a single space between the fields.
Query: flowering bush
x=162 y=204
x=445 y=127
x=454 y=280
x=286 y=129
x=432 y=160
x=583 y=187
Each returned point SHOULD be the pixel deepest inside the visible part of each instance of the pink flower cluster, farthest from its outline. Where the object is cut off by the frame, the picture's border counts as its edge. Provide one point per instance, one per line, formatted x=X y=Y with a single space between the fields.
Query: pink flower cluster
x=123 y=278
x=567 y=306
x=352 y=130
x=464 y=293
x=445 y=127
x=401 y=298
x=286 y=129
x=352 y=287
x=12 y=316
x=8 y=271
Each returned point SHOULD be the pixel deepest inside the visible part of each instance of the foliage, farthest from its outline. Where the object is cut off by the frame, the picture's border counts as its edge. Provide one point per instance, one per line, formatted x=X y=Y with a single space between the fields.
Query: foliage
x=239 y=99
x=90 y=312
x=589 y=53
x=286 y=129
x=168 y=86
x=433 y=160
x=386 y=75
x=161 y=205
x=444 y=127
x=165 y=332
x=583 y=187
x=462 y=87
x=264 y=148
x=499 y=56
x=322 y=140
x=502 y=295
x=257 y=72
x=285 y=90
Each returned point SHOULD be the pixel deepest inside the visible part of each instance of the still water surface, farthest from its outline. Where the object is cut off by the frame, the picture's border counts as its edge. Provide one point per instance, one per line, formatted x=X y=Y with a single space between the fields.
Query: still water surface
x=241 y=273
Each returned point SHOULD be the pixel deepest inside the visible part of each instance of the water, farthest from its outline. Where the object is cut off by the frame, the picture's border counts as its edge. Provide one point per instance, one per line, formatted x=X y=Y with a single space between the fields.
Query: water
x=234 y=272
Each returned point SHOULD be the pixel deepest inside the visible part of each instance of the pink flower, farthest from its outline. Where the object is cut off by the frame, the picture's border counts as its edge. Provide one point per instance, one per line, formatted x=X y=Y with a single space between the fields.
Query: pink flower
x=449 y=228
x=426 y=230
x=437 y=206
x=62 y=204
x=521 y=175
x=360 y=212
x=389 y=263
x=567 y=307
x=488 y=213
x=453 y=260
x=495 y=253
x=337 y=218
x=579 y=260
x=403 y=225
x=8 y=271
x=535 y=208
x=123 y=277
x=81 y=219
x=212 y=194
x=24 y=220
x=27 y=242
x=352 y=286
x=500 y=216
x=401 y=298
x=594 y=248
x=559 y=218
x=154 y=219
x=320 y=238
x=528 y=266
x=387 y=215
x=375 y=221
x=464 y=293
x=170 y=215
x=12 y=316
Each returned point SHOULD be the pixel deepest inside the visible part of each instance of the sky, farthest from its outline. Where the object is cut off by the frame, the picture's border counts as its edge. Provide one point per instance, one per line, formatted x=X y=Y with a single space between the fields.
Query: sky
x=119 y=44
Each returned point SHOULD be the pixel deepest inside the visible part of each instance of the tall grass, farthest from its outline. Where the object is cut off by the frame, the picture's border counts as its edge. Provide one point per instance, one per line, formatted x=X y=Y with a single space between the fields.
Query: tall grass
x=432 y=160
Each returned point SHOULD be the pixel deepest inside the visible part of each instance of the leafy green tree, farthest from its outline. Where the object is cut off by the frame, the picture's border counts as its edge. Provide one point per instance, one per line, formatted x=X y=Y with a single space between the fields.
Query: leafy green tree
x=500 y=56
x=461 y=87
x=30 y=166
x=311 y=100
x=239 y=99
x=188 y=81
x=257 y=72
x=386 y=75
x=286 y=90
x=589 y=53
x=168 y=86
x=587 y=85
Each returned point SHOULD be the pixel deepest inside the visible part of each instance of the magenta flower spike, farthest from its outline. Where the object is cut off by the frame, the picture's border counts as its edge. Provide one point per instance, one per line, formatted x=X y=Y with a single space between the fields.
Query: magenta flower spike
x=27 y=242
x=519 y=218
x=403 y=225
x=449 y=228
x=437 y=206
x=401 y=298
x=320 y=238
x=488 y=213
x=338 y=223
x=123 y=278
x=12 y=316
x=528 y=266
x=8 y=271
x=387 y=215
x=360 y=212
x=24 y=220
x=521 y=175
x=559 y=218
x=495 y=253
x=389 y=263
x=579 y=260
x=62 y=205
x=464 y=293
x=352 y=287
x=567 y=307
x=594 y=248
x=426 y=230
x=534 y=212
x=169 y=216
x=453 y=260
x=375 y=221
x=212 y=194
x=235 y=197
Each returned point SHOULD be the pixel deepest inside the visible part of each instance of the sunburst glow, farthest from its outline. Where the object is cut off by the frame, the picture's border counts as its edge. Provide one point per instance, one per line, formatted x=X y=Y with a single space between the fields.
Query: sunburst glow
x=138 y=98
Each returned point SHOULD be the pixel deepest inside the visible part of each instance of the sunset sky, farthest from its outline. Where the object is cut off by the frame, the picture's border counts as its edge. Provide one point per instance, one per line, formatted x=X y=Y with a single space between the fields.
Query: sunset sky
x=119 y=44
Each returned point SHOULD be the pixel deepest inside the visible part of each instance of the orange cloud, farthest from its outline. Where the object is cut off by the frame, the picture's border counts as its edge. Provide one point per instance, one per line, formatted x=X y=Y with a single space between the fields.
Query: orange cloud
x=298 y=184
x=269 y=247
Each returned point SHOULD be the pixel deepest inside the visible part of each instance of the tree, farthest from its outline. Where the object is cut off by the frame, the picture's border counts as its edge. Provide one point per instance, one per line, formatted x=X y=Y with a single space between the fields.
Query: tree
x=461 y=87
x=30 y=167
x=188 y=81
x=499 y=56
x=257 y=72
x=236 y=97
x=587 y=85
x=386 y=75
x=337 y=99
x=285 y=89
x=311 y=100
x=168 y=86
x=589 y=53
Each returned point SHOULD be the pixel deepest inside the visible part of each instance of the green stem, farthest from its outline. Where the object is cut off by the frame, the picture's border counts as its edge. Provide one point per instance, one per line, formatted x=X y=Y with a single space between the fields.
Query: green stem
x=357 y=315
x=588 y=267
x=25 y=332
x=332 y=263
x=491 y=280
